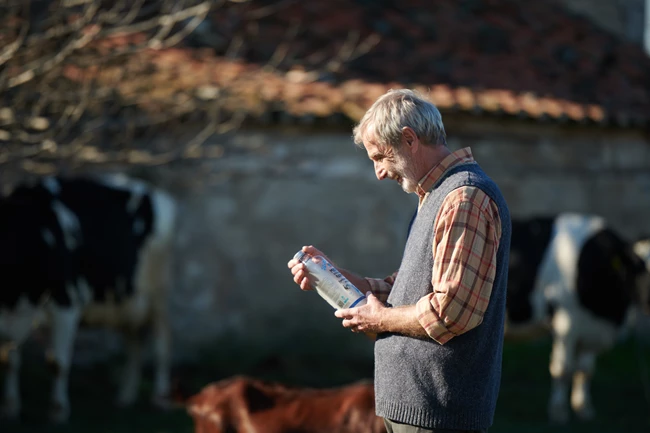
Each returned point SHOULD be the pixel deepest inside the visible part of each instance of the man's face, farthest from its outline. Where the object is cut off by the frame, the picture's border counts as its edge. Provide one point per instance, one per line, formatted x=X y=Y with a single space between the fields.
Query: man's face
x=393 y=163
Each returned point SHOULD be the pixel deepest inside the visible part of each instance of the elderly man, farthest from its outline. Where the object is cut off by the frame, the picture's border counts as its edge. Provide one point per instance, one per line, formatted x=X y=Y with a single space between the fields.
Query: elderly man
x=439 y=320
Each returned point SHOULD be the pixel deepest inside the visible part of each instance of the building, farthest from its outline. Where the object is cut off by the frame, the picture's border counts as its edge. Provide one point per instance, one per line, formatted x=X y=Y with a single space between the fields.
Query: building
x=555 y=108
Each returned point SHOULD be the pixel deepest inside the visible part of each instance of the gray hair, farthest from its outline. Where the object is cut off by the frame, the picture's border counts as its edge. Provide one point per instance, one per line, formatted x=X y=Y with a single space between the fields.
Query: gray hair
x=395 y=110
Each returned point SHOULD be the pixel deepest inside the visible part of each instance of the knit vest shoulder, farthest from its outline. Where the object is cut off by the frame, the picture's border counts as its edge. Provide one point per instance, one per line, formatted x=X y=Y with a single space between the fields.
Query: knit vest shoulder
x=419 y=381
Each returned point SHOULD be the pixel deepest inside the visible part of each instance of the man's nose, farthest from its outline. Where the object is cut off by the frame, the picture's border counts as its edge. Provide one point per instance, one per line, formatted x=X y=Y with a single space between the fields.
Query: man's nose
x=380 y=172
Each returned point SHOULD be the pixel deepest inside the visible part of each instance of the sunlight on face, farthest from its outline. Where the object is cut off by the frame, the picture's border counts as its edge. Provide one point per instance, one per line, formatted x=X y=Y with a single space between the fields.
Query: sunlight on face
x=404 y=167
x=393 y=163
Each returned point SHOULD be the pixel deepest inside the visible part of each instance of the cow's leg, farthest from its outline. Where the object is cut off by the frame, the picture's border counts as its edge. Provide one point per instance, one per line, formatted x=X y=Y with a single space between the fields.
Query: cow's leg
x=581 y=393
x=132 y=369
x=162 y=354
x=155 y=315
x=65 y=321
x=17 y=326
x=158 y=280
x=561 y=368
x=10 y=358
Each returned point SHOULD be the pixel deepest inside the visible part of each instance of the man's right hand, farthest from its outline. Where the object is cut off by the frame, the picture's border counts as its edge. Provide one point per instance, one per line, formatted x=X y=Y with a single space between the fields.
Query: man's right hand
x=299 y=270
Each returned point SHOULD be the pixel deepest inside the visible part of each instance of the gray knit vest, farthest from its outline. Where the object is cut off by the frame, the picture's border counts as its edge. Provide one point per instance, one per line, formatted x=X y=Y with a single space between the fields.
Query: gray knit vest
x=455 y=385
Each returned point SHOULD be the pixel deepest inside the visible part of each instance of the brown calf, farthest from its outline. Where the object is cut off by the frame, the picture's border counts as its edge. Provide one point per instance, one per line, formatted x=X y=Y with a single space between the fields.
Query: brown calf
x=247 y=405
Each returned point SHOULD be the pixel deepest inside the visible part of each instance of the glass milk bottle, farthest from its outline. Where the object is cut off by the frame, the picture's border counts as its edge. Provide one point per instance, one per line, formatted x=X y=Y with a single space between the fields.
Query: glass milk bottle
x=329 y=283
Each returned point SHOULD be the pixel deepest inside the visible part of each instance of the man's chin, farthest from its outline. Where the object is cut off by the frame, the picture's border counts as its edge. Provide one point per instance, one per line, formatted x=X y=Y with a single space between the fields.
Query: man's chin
x=406 y=186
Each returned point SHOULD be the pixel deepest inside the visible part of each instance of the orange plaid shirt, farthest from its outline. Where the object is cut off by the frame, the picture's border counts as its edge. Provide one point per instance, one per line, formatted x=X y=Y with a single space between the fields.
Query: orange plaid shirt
x=467 y=233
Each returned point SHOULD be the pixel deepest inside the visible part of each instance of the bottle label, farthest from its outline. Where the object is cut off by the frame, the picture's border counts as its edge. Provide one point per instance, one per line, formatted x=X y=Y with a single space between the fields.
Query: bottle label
x=346 y=298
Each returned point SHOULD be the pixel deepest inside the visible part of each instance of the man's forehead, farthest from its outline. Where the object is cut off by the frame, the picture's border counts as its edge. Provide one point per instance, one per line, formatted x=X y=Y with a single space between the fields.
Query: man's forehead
x=376 y=149
x=371 y=146
x=370 y=141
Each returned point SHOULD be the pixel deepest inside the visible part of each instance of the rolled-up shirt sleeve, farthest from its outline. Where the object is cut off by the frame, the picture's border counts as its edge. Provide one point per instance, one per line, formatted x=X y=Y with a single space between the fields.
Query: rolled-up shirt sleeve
x=381 y=287
x=466 y=240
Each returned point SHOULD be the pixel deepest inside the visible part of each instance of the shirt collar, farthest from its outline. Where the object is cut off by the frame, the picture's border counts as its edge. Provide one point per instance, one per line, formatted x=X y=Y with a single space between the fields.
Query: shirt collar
x=461 y=156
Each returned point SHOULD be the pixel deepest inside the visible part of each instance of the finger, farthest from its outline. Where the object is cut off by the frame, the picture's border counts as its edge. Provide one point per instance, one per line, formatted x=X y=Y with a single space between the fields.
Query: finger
x=303 y=281
x=311 y=250
x=305 y=285
x=297 y=267
x=298 y=277
x=299 y=270
x=292 y=263
x=343 y=314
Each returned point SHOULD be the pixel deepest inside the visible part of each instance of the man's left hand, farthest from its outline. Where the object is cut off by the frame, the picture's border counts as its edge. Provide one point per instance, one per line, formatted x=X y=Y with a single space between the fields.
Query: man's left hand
x=368 y=318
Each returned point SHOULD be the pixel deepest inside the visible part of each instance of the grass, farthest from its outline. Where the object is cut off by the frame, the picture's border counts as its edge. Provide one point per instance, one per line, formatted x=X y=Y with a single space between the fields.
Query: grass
x=618 y=391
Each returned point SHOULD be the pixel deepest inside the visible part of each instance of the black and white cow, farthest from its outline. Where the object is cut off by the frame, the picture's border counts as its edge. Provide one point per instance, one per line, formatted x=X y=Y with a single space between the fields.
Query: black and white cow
x=91 y=252
x=575 y=275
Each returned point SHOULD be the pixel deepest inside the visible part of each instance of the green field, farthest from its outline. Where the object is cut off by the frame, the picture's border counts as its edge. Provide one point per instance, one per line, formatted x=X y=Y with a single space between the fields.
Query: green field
x=618 y=391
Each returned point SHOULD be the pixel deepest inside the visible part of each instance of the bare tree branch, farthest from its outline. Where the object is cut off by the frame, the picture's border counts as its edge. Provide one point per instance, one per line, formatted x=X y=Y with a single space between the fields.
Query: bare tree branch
x=283 y=48
x=268 y=10
x=129 y=17
x=94 y=82
x=189 y=28
x=41 y=66
x=162 y=20
x=8 y=51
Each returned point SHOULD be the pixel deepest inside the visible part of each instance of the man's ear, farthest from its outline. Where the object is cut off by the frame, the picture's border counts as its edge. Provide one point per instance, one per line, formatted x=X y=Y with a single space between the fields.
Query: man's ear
x=410 y=138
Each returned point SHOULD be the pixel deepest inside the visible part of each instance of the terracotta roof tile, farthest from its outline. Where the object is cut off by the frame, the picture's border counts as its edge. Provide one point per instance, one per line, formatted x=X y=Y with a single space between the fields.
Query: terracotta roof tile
x=491 y=56
x=442 y=96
